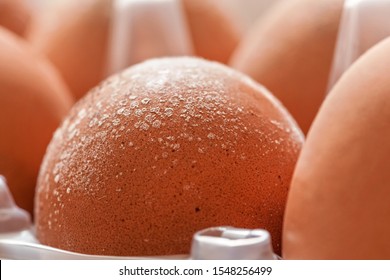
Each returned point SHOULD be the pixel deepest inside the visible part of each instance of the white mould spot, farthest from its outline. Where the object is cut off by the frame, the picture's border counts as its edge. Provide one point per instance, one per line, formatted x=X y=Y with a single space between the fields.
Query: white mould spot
x=145 y=101
x=176 y=146
x=138 y=112
x=141 y=125
x=168 y=112
x=149 y=118
x=156 y=124
x=116 y=122
x=144 y=126
x=211 y=136
x=155 y=110
x=134 y=104
x=174 y=101
x=123 y=102
x=82 y=113
x=93 y=122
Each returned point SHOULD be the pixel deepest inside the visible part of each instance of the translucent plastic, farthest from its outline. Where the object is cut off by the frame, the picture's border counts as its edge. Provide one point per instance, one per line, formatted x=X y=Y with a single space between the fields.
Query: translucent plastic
x=363 y=24
x=142 y=29
x=12 y=218
x=229 y=243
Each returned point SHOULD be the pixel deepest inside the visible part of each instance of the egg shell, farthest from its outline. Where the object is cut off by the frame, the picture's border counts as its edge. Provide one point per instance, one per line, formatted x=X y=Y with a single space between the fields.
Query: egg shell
x=160 y=151
x=215 y=35
x=33 y=101
x=15 y=15
x=75 y=37
x=290 y=51
x=339 y=203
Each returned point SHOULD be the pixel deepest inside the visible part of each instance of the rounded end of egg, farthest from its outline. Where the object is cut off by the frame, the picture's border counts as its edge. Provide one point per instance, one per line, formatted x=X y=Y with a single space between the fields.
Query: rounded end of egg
x=78 y=35
x=164 y=149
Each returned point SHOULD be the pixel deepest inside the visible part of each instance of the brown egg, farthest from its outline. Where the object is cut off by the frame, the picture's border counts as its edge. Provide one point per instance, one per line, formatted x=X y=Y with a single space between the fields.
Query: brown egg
x=164 y=149
x=339 y=204
x=15 y=15
x=214 y=34
x=75 y=35
x=290 y=51
x=33 y=101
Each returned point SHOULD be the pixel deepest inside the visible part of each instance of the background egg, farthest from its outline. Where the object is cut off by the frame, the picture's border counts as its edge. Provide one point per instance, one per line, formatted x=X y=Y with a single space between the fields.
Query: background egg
x=246 y=14
x=164 y=149
x=290 y=51
x=33 y=101
x=75 y=36
x=15 y=15
x=339 y=203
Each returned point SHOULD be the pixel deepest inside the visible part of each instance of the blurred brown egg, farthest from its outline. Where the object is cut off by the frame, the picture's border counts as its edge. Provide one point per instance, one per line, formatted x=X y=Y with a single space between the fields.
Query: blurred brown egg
x=290 y=51
x=76 y=35
x=33 y=101
x=339 y=203
x=168 y=147
x=15 y=15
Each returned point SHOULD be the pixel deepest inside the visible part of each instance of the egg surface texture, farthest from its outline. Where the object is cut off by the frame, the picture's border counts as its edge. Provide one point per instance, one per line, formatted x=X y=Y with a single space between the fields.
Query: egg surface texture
x=161 y=150
x=339 y=204
x=33 y=101
x=76 y=36
x=290 y=51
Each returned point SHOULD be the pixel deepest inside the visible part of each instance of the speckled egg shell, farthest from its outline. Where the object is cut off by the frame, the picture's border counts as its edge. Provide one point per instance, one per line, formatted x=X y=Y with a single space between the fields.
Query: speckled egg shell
x=75 y=34
x=290 y=51
x=33 y=101
x=164 y=149
x=339 y=204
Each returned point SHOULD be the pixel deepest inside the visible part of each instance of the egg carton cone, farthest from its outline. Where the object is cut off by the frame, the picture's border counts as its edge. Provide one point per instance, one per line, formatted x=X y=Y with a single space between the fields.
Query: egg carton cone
x=17 y=240
x=146 y=28
x=364 y=23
